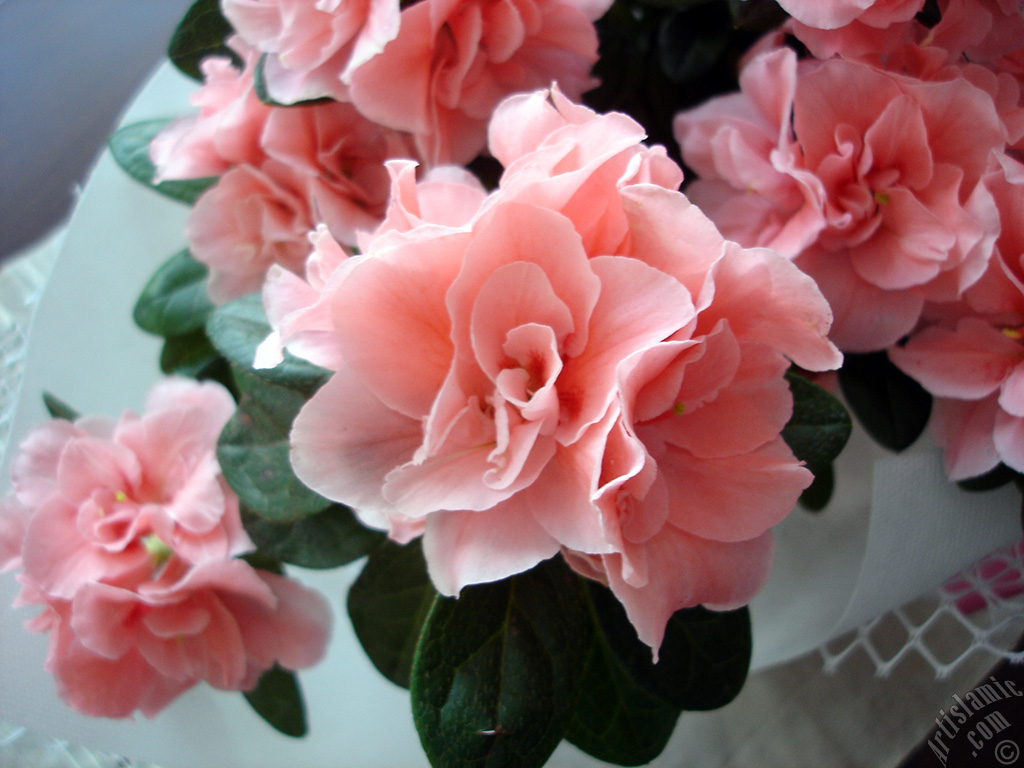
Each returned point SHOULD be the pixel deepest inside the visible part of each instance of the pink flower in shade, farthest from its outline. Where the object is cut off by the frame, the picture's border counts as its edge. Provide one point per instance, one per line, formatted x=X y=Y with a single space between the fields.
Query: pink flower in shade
x=227 y=130
x=453 y=61
x=874 y=186
x=313 y=47
x=509 y=395
x=128 y=534
x=972 y=359
x=980 y=30
x=324 y=164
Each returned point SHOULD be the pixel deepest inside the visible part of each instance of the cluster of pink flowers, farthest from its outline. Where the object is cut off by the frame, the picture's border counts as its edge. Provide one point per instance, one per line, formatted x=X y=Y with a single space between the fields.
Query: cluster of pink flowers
x=887 y=167
x=128 y=536
x=381 y=83
x=578 y=362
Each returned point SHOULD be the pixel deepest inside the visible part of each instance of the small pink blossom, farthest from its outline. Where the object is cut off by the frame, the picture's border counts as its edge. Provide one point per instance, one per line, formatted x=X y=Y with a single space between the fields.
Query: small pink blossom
x=490 y=368
x=128 y=535
x=312 y=48
x=453 y=61
x=226 y=131
x=874 y=185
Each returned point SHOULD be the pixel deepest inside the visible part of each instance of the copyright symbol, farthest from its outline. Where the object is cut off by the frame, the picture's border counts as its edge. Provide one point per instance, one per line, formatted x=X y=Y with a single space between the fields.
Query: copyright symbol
x=1007 y=752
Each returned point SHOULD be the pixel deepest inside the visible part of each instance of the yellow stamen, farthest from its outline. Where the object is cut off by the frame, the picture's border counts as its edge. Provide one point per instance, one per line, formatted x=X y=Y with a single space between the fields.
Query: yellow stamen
x=1014 y=333
x=679 y=408
x=158 y=551
x=881 y=198
x=121 y=497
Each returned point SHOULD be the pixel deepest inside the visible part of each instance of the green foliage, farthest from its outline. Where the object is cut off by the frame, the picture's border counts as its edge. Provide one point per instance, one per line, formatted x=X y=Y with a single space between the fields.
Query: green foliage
x=253 y=451
x=236 y=329
x=130 y=148
x=58 y=409
x=388 y=605
x=277 y=698
x=891 y=406
x=201 y=33
x=329 y=538
x=497 y=671
x=174 y=301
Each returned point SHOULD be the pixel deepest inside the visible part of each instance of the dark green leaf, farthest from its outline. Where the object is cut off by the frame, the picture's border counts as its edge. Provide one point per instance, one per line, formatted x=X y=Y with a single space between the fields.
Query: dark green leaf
x=496 y=673
x=262 y=561
x=277 y=698
x=130 y=147
x=817 y=494
x=703 y=660
x=237 y=328
x=616 y=719
x=58 y=409
x=174 y=301
x=201 y=33
x=253 y=451
x=388 y=605
x=692 y=42
x=995 y=478
x=820 y=425
x=757 y=15
x=329 y=538
x=190 y=355
x=891 y=406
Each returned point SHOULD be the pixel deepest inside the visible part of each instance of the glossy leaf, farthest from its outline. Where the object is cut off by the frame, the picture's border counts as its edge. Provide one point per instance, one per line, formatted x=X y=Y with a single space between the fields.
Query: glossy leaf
x=174 y=301
x=192 y=355
x=253 y=451
x=616 y=719
x=277 y=698
x=237 y=328
x=388 y=605
x=703 y=660
x=130 y=148
x=820 y=425
x=496 y=672
x=58 y=409
x=817 y=495
x=891 y=406
x=260 y=88
x=201 y=33
x=329 y=538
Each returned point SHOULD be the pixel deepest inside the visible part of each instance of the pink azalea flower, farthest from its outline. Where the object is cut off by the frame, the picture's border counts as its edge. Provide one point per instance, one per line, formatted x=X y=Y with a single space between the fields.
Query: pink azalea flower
x=454 y=60
x=972 y=359
x=874 y=185
x=128 y=534
x=509 y=394
x=313 y=47
x=226 y=131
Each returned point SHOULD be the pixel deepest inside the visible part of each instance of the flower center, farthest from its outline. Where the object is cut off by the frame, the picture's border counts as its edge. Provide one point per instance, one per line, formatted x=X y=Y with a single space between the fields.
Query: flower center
x=157 y=550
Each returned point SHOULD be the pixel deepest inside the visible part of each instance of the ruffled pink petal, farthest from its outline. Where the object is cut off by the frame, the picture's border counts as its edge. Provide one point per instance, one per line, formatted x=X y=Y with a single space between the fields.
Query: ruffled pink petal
x=465 y=548
x=965 y=428
x=345 y=441
x=1009 y=440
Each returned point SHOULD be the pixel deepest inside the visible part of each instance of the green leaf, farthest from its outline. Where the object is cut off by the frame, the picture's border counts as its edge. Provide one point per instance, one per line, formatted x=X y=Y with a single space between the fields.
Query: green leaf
x=277 y=698
x=703 y=660
x=692 y=42
x=388 y=605
x=820 y=425
x=191 y=355
x=329 y=538
x=130 y=147
x=997 y=477
x=891 y=406
x=496 y=673
x=174 y=301
x=616 y=719
x=816 y=496
x=58 y=409
x=253 y=451
x=237 y=328
x=201 y=33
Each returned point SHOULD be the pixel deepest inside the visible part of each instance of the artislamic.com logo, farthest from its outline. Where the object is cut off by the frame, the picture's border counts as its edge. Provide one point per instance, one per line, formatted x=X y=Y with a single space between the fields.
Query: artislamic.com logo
x=977 y=724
